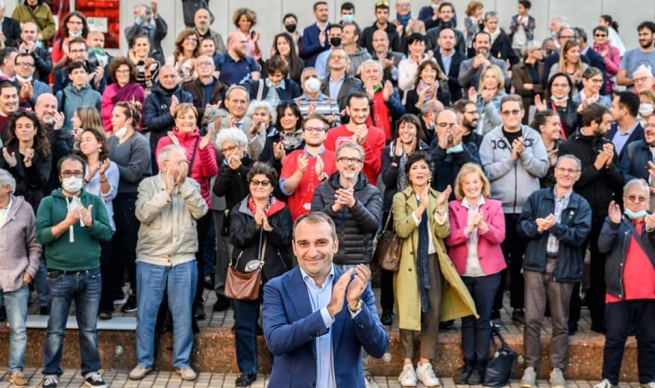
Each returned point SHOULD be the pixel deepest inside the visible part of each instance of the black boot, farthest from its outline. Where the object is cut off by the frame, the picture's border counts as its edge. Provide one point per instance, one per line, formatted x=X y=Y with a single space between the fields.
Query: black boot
x=477 y=376
x=387 y=317
x=463 y=377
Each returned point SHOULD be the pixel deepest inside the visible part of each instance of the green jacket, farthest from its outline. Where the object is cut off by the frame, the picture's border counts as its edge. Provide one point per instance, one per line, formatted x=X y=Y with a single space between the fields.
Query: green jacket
x=43 y=15
x=84 y=252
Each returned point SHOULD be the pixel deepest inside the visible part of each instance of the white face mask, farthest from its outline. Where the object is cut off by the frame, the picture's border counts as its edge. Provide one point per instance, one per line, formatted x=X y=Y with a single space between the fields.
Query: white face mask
x=646 y=110
x=72 y=185
x=75 y=34
x=312 y=85
x=120 y=132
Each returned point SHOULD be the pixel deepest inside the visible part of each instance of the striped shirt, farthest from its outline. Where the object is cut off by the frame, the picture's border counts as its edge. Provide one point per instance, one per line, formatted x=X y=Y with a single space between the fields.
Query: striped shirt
x=324 y=106
x=561 y=203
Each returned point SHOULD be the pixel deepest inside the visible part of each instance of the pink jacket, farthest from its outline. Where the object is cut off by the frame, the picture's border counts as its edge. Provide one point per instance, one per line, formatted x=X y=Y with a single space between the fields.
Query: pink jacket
x=106 y=106
x=489 y=251
x=204 y=165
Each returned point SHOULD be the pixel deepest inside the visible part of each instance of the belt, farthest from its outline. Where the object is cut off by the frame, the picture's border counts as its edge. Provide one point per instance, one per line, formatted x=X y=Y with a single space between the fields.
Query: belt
x=82 y=271
x=551 y=255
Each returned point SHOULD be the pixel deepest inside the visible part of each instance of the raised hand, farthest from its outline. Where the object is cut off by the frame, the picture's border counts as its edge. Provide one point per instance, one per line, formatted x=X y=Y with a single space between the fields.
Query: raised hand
x=442 y=200
x=86 y=216
x=234 y=162
x=170 y=182
x=10 y=159
x=174 y=103
x=173 y=138
x=28 y=156
x=59 y=120
x=473 y=94
x=387 y=91
x=539 y=104
x=205 y=141
x=614 y=212
x=339 y=293
x=358 y=284
x=104 y=166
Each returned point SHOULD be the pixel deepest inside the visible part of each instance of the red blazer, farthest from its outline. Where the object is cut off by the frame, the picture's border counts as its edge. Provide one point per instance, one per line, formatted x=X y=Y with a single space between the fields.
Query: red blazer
x=489 y=251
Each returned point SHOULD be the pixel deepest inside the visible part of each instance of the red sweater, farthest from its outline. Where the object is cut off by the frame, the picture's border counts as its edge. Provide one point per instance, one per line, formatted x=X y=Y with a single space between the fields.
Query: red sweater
x=300 y=201
x=380 y=115
x=373 y=147
x=638 y=273
x=204 y=165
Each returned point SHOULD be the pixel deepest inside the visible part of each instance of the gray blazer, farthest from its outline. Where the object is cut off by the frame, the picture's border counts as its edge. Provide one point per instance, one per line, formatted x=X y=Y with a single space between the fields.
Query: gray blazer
x=349 y=83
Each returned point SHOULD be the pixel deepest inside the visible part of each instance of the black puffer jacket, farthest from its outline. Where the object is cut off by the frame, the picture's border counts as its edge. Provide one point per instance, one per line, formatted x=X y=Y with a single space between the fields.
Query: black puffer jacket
x=247 y=239
x=233 y=184
x=356 y=226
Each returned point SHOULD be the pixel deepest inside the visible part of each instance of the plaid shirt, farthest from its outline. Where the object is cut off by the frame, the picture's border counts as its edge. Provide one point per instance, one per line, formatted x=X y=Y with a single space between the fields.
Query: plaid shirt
x=560 y=204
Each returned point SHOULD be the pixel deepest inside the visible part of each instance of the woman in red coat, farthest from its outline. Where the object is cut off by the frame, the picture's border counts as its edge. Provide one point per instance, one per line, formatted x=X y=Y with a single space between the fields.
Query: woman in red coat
x=477 y=227
x=201 y=158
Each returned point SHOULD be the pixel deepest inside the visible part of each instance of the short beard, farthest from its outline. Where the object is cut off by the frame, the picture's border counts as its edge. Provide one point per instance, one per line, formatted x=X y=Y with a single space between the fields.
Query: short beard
x=48 y=120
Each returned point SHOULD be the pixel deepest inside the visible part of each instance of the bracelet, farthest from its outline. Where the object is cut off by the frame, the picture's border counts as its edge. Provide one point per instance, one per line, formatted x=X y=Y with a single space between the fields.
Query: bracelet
x=85 y=181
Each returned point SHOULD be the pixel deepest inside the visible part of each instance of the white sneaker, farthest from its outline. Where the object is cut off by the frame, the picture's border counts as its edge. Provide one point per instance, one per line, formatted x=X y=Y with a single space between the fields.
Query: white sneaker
x=369 y=382
x=425 y=374
x=529 y=379
x=557 y=379
x=407 y=377
x=605 y=384
x=649 y=385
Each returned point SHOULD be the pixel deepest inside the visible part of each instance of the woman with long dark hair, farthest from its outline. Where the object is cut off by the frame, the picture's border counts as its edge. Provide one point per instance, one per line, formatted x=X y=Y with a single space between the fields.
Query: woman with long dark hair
x=187 y=49
x=284 y=46
x=73 y=26
x=288 y=136
x=559 y=98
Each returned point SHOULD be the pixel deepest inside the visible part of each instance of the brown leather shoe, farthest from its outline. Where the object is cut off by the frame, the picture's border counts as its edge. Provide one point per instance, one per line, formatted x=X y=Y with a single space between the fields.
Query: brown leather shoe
x=18 y=379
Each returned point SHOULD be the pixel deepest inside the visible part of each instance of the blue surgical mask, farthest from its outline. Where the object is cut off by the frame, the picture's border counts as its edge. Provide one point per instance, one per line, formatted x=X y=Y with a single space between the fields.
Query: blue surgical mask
x=348 y=18
x=455 y=149
x=39 y=44
x=138 y=21
x=635 y=216
x=560 y=100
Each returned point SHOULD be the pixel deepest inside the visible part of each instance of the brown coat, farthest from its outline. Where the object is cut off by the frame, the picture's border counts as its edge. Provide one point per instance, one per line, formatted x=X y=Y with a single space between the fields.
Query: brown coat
x=19 y=251
x=520 y=77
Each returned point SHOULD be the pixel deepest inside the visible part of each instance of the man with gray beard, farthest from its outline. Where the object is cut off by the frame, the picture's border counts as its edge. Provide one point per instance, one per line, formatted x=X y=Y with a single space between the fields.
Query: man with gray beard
x=61 y=142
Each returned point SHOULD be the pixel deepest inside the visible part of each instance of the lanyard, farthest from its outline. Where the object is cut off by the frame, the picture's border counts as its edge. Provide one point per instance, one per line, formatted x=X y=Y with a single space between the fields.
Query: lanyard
x=561 y=126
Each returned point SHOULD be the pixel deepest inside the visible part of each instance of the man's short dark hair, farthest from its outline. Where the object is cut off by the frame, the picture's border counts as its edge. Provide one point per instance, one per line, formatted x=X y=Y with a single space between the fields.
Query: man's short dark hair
x=475 y=38
x=511 y=98
x=446 y=4
x=356 y=95
x=358 y=32
x=5 y=54
x=316 y=218
x=525 y=3
x=647 y=24
x=74 y=157
x=23 y=55
x=630 y=101
x=348 y=6
x=335 y=26
x=460 y=105
x=7 y=85
x=319 y=3
x=290 y=15
x=416 y=37
x=593 y=113
x=76 y=65
x=582 y=34
x=78 y=40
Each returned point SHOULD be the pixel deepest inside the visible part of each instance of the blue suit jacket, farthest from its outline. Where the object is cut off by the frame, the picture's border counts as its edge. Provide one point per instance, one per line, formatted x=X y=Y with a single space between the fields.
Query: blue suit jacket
x=311 y=45
x=637 y=134
x=291 y=328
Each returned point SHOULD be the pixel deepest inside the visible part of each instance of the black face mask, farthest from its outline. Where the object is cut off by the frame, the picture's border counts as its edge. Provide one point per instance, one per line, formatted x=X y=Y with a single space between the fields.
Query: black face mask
x=291 y=28
x=335 y=42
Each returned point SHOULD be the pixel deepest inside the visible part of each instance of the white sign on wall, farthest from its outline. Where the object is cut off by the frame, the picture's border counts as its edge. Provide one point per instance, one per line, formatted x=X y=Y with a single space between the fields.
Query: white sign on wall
x=97 y=24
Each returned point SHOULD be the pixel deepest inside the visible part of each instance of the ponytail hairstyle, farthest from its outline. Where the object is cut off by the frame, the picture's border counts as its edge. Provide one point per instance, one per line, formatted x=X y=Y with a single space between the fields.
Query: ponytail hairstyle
x=610 y=21
x=131 y=110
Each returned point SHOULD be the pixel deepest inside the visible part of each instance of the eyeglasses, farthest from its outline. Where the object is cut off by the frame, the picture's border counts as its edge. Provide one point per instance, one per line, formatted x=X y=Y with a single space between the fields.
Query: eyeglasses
x=567 y=37
x=204 y=64
x=446 y=125
x=641 y=79
x=596 y=80
x=314 y=129
x=228 y=149
x=256 y=183
x=24 y=64
x=471 y=112
x=346 y=160
x=513 y=112
x=600 y=35
x=637 y=198
x=125 y=71
x=567 y=170
x=77 y=51
x=76 y=174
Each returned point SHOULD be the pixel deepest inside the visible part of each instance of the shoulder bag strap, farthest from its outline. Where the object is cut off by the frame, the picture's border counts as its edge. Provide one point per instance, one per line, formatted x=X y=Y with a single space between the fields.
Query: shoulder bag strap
x=260 y=90
x=193 y=157
x=38 y=23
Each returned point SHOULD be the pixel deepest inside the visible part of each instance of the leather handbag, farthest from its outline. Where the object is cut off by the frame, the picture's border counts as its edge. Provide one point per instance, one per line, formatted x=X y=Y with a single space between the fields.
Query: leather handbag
x=499 y=367
x=388 y=249
x=245 y=286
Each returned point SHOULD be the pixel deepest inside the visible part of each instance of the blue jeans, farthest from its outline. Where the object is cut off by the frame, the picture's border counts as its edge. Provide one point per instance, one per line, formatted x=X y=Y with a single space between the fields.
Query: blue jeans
x=246 y=315
x=41 y=283
x=84 y=288
x=179 y=282
x=16 y=305
x=476 y=333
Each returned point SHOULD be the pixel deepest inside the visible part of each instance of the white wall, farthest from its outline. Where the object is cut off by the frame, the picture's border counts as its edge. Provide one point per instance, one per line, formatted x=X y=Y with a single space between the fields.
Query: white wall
x=582 y=13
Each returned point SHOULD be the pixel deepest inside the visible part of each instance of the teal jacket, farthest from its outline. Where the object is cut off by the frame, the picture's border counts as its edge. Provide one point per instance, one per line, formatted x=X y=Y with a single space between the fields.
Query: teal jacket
x=84 y=252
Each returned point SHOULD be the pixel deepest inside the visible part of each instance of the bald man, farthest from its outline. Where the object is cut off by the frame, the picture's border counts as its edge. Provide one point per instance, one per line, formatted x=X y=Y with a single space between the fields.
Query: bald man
x=233 y=66
x=202 y=19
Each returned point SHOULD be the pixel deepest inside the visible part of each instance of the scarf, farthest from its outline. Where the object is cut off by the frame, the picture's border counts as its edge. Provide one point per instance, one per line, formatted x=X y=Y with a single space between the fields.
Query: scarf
x=404 y=19
x=125 y=93
x=494 y=35
x=291 y=140
x=590 y=99
x=423 y=257
x=401 y=182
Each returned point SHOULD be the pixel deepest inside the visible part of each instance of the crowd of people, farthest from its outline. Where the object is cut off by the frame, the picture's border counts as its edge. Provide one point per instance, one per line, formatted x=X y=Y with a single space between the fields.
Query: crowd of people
x=498 y=161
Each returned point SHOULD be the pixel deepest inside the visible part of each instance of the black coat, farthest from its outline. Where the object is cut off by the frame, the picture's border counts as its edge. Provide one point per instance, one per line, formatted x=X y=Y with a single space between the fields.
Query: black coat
x=233 y=184
x=248 y=240
x=502 y=49
x=157 y=118
x=455 y=89
x=598 y=187
x=447 y=166
x=390 y=173
x=356 y=226
x=572 y=231
x=11 y=31
x=30 y=182
x=614 y=240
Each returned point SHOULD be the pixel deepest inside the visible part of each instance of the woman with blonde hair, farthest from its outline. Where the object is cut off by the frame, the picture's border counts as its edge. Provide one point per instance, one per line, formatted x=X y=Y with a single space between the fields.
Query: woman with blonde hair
x=646 y=106
x=571 y=64
x=477 y=228
x=245 y=19
x=187 y=49
x=490 y=92
x=85 y=116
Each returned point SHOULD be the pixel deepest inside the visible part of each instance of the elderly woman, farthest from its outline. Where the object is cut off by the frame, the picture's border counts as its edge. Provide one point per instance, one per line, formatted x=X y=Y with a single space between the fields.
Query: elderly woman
x=231 y=181
x=260 y=230
x=646 y=106
x=420 y=217
x=101 y=178
x=410 y=139
x=27 y=156
x=264 y=113
x=202 y=167
x=488 y=96
x=19 y=261
x=592 y=79
x=526 y=75
x=501 y=45
x=477 y=228
x=187 y=49
x=147 y=67
x=570 y=64
x=130 y=150
x=245 y=19
x=123 y=88
x=628 y=239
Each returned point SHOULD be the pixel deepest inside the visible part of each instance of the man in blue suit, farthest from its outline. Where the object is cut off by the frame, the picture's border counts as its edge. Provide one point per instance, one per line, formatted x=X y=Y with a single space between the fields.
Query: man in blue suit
x=314 y=38
x=316 y=339
x=626 y=128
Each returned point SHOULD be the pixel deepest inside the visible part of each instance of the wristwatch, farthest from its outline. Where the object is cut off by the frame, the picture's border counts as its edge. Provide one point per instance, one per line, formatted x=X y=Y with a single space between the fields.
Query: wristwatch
x=360 y=304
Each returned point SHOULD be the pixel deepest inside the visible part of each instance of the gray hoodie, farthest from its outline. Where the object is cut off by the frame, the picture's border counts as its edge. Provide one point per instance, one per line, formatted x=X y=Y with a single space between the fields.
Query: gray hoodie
x=357 y=58
x=513 y=182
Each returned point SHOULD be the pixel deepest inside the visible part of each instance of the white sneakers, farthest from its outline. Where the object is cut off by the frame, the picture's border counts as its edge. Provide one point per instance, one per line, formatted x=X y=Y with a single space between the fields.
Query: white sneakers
x=424 y=373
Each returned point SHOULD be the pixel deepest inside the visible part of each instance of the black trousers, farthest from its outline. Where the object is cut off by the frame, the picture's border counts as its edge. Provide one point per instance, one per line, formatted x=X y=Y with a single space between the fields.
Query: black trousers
x=513 y=249
x=202 y=226
x=125 y=239
x=108 y=277
x=596 y=291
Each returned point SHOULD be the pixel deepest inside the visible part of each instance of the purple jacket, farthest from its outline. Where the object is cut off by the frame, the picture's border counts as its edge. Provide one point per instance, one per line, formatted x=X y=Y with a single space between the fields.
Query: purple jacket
x=19 y=251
